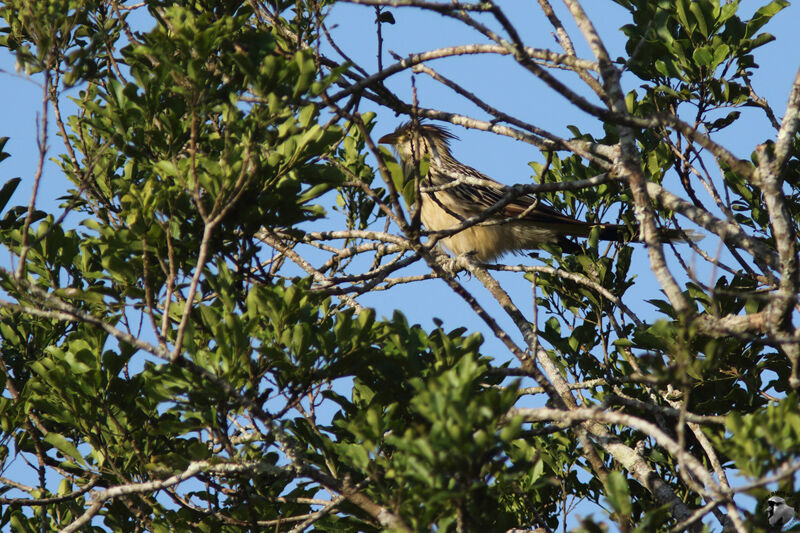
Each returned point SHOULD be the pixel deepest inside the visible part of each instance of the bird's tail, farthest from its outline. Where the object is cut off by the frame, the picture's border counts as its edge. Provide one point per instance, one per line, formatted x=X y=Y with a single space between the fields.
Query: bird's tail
x=622 y=233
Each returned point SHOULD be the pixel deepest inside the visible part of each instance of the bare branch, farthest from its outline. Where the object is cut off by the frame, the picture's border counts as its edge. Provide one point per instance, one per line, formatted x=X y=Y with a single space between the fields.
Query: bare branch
x=613 y=417
x=548 y=57
x=789 y=127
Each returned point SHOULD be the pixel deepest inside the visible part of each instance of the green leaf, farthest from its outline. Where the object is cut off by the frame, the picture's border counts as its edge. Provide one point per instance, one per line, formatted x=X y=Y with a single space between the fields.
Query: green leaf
x=63 y=445
x=703 y=56
x=697 y=11
x=7 y=190
x=760 y=40
x=727 y=11
x=720 y=54
x=386 y=17
x=680 y=9
x=772 y=9
x=3 y=142
x=763 y=15
x=630 y=101
x=725 y=121
x=618 y=495
x=667 y=68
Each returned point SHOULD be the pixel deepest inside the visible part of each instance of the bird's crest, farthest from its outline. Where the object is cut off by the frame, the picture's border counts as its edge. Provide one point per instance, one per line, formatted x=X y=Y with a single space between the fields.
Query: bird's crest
x=415 y=140
x=436 y=135
x=431 y=131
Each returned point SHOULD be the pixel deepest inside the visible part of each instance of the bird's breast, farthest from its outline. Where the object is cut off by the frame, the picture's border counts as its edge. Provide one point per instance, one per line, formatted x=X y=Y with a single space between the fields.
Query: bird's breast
x=484 y=242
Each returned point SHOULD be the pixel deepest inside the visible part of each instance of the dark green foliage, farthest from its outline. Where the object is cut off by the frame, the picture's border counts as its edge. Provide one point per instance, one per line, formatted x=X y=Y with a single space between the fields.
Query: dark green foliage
x=205 y=154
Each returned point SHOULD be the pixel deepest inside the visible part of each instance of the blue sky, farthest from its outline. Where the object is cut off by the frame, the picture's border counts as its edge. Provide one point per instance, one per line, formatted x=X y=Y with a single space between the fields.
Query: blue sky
x=498 y=80
x=510 y=88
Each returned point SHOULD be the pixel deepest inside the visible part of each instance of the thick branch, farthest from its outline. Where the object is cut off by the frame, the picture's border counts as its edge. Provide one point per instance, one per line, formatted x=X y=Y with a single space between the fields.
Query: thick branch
x=789 y=126
x=613 y=417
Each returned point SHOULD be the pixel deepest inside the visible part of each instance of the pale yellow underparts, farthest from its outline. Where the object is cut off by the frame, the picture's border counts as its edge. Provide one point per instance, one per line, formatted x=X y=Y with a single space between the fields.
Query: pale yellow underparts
x=487 y=240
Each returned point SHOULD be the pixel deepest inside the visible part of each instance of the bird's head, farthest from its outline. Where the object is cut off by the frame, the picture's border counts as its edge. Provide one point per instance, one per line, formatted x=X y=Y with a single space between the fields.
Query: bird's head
x=774 y=501
x=779 y=513
x=414 y=141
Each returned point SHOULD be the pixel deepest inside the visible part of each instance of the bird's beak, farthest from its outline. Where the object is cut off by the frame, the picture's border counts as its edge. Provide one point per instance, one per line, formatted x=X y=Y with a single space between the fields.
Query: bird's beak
x=389 y=138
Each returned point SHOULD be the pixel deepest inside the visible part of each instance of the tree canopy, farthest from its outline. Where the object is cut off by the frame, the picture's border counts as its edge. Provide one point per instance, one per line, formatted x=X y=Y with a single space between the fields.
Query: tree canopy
x=184 y=343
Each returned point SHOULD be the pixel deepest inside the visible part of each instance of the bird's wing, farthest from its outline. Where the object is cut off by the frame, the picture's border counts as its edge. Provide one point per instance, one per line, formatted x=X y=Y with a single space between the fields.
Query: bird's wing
x=475 y=188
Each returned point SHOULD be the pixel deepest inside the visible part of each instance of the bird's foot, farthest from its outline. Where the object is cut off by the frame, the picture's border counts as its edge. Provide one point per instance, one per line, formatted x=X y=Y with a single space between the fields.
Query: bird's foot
x=450 y=265
x=453 y=266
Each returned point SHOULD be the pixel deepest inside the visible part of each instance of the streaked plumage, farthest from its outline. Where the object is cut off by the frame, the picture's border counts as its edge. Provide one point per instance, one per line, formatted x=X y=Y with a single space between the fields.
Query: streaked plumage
x=453 y=192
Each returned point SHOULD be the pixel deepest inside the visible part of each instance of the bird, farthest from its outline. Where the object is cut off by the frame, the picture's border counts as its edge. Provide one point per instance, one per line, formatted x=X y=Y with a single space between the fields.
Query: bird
x=453 y=192
x=779 y=513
